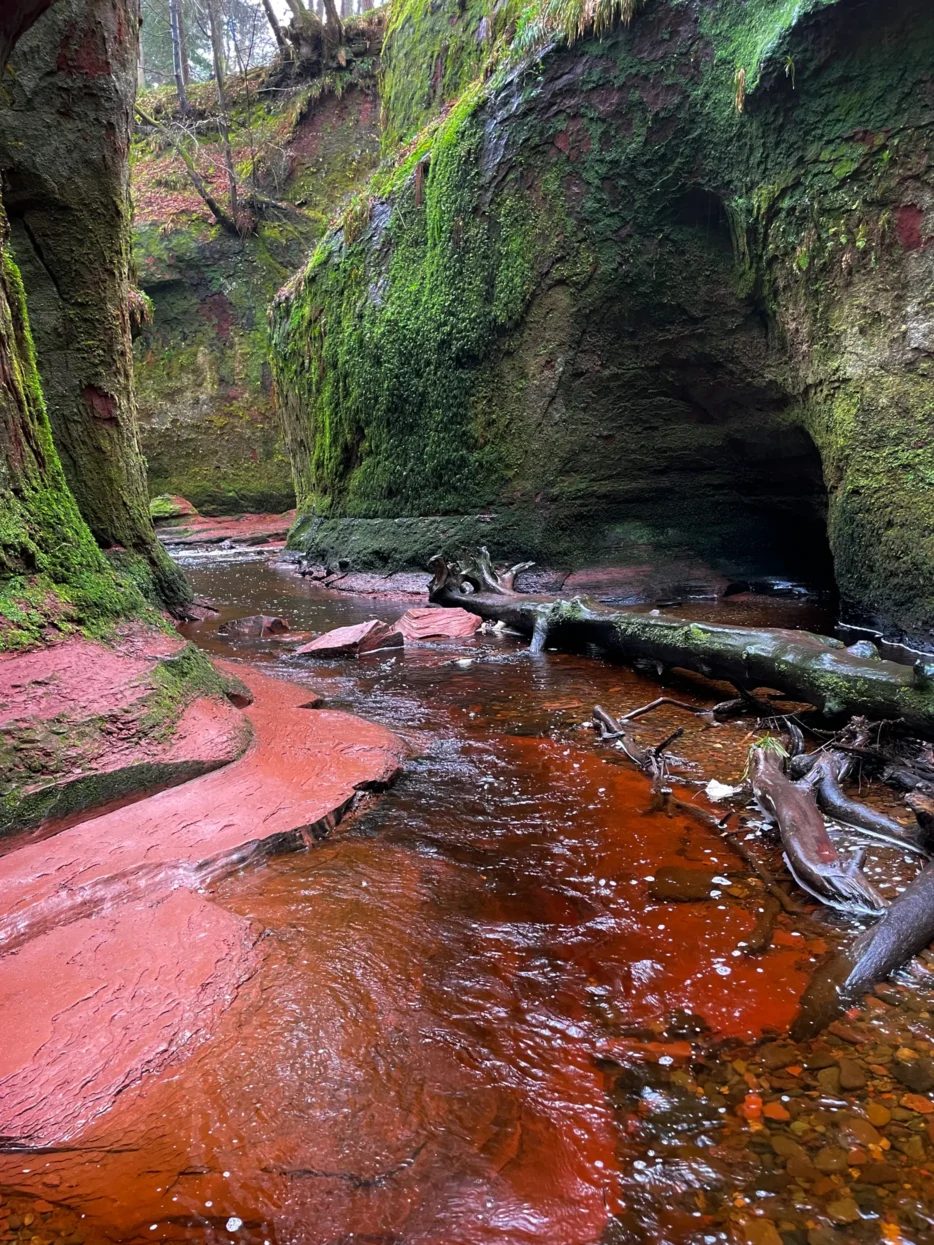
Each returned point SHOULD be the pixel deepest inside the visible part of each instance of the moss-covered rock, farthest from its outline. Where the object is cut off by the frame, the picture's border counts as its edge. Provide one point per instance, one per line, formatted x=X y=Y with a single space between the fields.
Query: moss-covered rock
x=207 y=412
x=84 y=723
x=666 y=289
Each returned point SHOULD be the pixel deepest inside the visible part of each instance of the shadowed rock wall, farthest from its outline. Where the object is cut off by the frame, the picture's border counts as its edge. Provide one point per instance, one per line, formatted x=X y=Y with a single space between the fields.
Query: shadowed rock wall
x=618 y=315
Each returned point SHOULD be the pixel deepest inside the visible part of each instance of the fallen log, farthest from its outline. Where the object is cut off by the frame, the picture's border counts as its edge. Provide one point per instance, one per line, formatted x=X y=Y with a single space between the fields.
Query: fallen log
x=906 y=929
x=819 y=670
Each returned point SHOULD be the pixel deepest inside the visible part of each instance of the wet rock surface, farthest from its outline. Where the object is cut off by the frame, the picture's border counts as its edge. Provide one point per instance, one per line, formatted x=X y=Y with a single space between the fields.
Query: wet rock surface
x=354 y=641
x=112 y=965
x=476 y=1018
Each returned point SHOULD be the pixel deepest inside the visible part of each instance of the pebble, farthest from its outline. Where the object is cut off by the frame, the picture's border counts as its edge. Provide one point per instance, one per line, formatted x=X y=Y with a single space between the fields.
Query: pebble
x=916 y=1074
x=852 y=1075
x=777 y=1055
x=788 y=1149
x=775 y=1111
x=758 y=1232
x=878 y=1114
x=880 y=1173
x=830 y=1159
x=863 y=1132
x=915 y=1102
x=844 y=1210
x=829 y=1080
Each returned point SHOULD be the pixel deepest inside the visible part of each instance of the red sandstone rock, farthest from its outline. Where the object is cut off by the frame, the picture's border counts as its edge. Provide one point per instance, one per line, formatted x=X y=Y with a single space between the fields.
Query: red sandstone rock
x=435 y=623
x=365 y=637
x=243 y=529
x=94 y=1005
x=169 y=509
x=254 y=627
x=112 y=963
x=87 y=709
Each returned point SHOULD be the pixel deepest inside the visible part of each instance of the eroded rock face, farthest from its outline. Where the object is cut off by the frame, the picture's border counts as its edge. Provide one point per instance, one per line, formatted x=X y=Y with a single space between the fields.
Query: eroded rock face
x=431 y=624
x=706 y=337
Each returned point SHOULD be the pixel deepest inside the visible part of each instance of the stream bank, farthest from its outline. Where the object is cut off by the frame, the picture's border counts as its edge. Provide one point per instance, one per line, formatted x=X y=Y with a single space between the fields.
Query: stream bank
x=476 y=1018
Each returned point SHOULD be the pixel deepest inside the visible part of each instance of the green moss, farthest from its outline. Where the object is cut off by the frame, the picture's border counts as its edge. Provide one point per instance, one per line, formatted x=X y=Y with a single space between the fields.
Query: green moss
x=55 y=767
x=51 y=571
x=591 y=291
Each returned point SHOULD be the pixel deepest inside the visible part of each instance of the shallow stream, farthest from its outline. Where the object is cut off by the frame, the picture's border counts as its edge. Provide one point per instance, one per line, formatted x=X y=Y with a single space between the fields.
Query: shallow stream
x=476 y=1023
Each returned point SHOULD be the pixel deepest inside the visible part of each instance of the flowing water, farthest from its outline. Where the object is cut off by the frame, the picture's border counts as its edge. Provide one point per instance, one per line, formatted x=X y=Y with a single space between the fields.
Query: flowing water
x=475 y=1020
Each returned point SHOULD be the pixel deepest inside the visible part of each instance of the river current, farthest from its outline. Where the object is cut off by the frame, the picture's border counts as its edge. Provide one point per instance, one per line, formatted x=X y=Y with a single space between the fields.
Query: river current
x=475 y=1021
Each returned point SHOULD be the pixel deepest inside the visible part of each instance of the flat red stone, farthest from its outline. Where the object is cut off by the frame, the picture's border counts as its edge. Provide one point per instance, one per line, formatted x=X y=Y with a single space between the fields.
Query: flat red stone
x=241 y=529
x=365 y=637
x=92 y=1006
x=113 y=963
x=429 y=624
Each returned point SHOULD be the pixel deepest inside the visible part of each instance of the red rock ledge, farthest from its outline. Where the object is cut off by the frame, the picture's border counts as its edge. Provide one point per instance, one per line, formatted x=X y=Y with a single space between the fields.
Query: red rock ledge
x=112 y=963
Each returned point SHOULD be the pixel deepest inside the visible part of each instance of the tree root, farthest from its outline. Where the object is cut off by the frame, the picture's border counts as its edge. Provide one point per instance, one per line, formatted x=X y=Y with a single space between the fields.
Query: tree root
x=812 y=858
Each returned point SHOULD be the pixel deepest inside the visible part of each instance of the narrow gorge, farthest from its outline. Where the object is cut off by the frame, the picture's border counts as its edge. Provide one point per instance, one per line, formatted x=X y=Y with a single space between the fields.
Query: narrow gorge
x=467 y=622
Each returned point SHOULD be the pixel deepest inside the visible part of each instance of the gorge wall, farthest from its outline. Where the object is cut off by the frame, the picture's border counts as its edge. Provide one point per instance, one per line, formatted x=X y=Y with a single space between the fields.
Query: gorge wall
x=660 y=293
x=208 y=422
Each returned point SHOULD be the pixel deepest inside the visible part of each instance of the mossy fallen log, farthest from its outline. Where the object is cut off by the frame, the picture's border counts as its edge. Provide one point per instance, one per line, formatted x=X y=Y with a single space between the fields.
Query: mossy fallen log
x=819 y=670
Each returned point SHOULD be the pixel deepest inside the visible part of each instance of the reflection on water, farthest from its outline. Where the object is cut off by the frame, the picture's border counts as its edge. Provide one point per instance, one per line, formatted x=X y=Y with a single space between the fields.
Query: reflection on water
x=472 y=1023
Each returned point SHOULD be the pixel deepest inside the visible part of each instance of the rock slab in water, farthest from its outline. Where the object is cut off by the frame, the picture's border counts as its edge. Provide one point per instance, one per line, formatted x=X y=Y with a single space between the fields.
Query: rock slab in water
x=437 y=623
x=674 y=884
x=365 y=637
x=254 y=627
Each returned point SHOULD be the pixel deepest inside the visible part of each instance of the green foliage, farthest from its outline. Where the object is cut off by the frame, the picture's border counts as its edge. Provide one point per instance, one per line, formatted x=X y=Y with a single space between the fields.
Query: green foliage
x=387 y=366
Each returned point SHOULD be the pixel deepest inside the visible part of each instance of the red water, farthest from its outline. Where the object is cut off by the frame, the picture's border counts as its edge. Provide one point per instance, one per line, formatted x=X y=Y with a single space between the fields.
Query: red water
x=426 y=1054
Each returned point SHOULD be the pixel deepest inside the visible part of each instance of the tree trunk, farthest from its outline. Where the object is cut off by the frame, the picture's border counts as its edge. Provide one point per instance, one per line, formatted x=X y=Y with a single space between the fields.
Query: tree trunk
x=275 y=28
x=175 y=27
x=64 y=146
x=217 y=48
x=183 y=43
x=298 y=9
x=334 y=27
x=50 y=566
